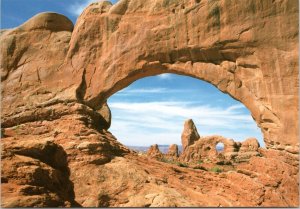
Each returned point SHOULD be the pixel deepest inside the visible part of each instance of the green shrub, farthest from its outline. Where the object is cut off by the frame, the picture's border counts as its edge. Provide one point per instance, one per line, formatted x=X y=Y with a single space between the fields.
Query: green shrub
x=216 y=169
x=182 y=164
x=200 y=168
x=164 y=160
x=166 y=3
x=199 y=162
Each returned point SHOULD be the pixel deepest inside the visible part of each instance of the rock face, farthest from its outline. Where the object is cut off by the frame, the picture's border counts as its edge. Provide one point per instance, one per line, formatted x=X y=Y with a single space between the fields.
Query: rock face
x=249 y=145
x=189 y=134
x=154 y=151
x=47 y=163
x=249 y=148
x=56 y=79
x=173 y=151
x=38 y=172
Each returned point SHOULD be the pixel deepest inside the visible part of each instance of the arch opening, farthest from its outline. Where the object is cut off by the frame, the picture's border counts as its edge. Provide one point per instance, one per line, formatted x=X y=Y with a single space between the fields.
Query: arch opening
x=220 y=147
x=152 y=110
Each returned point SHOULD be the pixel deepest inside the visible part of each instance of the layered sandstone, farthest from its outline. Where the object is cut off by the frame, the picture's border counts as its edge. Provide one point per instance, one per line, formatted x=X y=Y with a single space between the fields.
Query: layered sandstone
x=56 y=79
x=43 y=162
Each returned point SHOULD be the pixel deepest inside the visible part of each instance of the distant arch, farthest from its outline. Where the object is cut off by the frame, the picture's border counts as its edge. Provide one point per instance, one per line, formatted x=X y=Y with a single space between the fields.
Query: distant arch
x=220 y=147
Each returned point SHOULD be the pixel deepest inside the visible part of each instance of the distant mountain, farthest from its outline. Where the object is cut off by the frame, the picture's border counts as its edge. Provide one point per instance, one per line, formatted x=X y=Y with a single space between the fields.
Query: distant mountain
x=162 y=147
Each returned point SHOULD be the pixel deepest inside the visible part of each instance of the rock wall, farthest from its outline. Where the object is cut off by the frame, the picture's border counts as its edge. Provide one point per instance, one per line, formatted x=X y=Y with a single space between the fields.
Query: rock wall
x=50 y=163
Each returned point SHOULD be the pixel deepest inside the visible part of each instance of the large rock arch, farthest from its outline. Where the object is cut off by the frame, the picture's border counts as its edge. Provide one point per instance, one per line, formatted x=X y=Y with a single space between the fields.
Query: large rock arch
x=56 y=79
x=113 y=45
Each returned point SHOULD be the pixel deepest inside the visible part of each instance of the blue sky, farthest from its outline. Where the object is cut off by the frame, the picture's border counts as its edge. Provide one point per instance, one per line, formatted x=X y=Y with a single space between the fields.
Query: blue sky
x=153 y=109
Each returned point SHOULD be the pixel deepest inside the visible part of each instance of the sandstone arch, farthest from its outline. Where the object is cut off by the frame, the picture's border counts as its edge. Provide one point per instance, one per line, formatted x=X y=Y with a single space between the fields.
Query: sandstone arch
x=237 y=60
x=113 y=45
x=55 y=81
x=205 y=147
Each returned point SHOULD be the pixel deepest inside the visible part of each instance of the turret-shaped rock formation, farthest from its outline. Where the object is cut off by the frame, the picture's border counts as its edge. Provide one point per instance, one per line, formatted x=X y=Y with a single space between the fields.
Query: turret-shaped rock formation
x=196 y=147
x=189 y=134
x=154 y=151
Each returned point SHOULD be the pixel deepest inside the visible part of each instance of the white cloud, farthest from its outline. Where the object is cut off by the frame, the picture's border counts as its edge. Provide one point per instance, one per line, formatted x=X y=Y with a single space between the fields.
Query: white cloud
x=181 y=109
x=152 y=90
x=147 y=123
x=143 y=90
x=127 y=91
x=235 y=107
x=77 y=8
x=165 y=76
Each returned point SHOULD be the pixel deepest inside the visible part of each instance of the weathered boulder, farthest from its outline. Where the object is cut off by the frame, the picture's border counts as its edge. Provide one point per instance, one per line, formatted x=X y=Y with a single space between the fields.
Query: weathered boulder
x=189 y=134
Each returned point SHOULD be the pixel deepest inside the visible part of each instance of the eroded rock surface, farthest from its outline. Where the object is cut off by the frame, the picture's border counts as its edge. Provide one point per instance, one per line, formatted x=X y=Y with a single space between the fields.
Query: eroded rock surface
x=173 y=150
x=189 y=134
x=248 y=148
x=56 y=79
x=43 y=161
x=154 y=151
